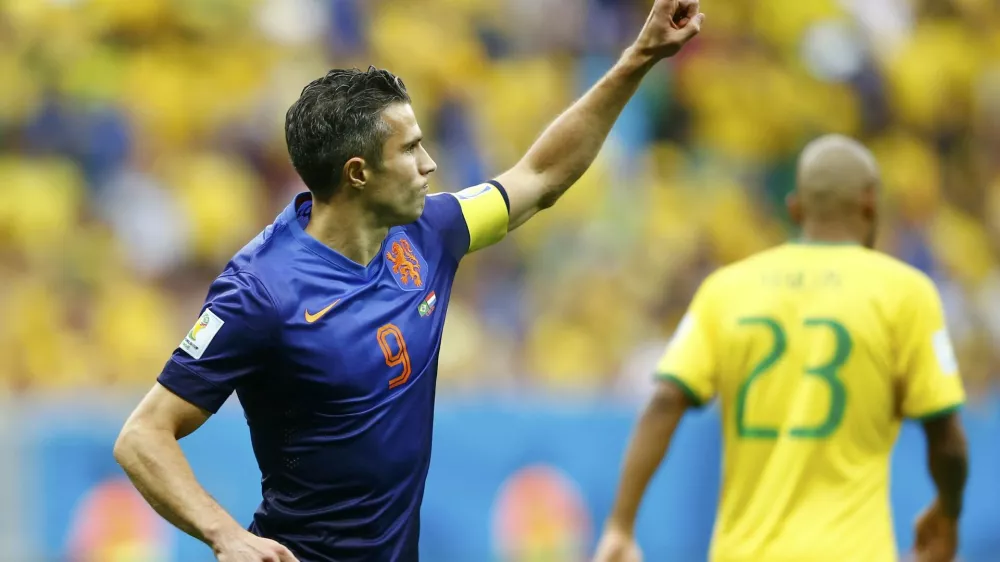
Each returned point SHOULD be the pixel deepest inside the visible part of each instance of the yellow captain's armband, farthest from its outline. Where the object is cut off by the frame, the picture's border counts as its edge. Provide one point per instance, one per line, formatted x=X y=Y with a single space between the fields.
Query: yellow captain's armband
x=486 y=214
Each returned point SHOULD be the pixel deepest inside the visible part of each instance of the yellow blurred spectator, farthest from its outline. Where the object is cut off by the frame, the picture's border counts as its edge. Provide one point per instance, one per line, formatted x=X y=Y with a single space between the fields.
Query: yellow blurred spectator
x=563 y=355
x=205 y=84
x=932 y=75
x=750 y=109
x=911 y=174
x=732 y=224
x=177 y=92
x=137 y=16
x=222 y=198
x=408 y=38
x=962 y=245
x=40 y=202
x=132 y=329
x=782 y=22
x=20 y=96
x=515 y=101
x=48 y=351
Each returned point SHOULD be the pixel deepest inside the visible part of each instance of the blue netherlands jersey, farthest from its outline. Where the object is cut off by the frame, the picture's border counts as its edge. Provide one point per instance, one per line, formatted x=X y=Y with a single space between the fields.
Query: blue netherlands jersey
x=335 y=364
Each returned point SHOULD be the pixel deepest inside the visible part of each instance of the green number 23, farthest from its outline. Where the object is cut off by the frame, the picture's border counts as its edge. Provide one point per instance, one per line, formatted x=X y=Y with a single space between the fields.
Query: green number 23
x=826 y=372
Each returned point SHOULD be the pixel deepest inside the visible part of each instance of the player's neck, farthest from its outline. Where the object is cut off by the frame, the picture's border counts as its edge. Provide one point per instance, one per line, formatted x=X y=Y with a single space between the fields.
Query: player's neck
x=829 y=232
x=348 y=230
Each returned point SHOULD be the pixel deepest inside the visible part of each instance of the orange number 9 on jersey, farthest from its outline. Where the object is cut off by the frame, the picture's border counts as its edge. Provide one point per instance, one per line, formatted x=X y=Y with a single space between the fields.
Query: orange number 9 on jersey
x=401 y=357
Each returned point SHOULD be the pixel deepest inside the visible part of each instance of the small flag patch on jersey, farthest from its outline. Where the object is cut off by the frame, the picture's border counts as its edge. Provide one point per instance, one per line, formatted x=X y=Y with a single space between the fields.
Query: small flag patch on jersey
x=428 y=305
x=201 y=335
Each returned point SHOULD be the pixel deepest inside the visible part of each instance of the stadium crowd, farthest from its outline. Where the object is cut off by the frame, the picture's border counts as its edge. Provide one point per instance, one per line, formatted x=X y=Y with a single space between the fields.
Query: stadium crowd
x=141 y=145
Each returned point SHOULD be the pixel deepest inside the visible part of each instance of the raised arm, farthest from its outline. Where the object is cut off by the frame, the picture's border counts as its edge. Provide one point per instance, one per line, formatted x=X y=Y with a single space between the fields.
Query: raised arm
x=569 y=145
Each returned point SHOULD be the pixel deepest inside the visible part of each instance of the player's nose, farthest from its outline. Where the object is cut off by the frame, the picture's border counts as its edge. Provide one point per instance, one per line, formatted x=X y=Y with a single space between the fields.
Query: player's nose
x=427 y=164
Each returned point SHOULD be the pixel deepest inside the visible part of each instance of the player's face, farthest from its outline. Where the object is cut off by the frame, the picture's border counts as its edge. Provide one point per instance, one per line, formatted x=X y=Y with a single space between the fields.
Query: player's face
x=398 y=187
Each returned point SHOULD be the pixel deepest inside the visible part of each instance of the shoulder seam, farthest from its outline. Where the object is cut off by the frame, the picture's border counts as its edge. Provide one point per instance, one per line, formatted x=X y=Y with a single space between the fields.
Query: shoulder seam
x=275 y=306
x=439 y=232
x=274 y=302
x=246 y=271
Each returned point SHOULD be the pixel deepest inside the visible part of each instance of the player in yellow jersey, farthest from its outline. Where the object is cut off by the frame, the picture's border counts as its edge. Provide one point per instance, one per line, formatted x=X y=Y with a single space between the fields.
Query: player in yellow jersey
x=817 y=350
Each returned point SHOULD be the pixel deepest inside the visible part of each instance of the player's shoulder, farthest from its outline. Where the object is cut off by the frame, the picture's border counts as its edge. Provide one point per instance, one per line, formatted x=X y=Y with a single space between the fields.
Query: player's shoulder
x=260 y=268
x=443 y=225
x=894 y=281
x=439 y=205
x=718 y=287
x=895 y=273
x=440 y=212
x=266 y=255
x=738 y=273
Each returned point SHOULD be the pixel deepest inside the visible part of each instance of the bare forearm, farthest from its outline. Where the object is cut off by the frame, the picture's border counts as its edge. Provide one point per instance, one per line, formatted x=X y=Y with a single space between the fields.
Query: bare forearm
x=156 y=465
x=645 y=453
x=570 y=144
x=947 y=459
x=565 y=150
x=949 y=469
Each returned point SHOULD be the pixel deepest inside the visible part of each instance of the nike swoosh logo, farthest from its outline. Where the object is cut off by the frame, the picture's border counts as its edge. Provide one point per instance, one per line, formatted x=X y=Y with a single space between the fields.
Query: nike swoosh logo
x=310 y=318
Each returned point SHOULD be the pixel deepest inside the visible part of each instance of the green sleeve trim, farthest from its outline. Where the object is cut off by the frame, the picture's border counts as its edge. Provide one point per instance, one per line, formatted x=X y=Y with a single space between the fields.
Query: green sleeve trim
x=692 y=396
x=939 y=413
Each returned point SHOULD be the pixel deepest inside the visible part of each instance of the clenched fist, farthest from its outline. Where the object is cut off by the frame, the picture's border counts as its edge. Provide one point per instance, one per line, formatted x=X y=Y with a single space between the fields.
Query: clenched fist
x=671 y=24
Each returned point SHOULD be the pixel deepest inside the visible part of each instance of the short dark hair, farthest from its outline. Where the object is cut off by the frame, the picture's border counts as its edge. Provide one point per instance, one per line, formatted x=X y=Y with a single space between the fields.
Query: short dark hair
x=336 y=118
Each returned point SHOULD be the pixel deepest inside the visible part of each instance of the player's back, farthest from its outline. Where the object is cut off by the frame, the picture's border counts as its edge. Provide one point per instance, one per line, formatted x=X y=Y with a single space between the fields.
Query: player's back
x=808 y=359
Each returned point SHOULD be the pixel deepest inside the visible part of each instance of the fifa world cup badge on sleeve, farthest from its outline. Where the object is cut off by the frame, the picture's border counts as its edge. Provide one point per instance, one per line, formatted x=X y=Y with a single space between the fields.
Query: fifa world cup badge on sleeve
x=201 y=335
x=683 y=329
x=945 y=353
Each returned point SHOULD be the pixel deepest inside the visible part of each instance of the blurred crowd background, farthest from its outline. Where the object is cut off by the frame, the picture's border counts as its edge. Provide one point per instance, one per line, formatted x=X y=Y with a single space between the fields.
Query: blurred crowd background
x=141 y=145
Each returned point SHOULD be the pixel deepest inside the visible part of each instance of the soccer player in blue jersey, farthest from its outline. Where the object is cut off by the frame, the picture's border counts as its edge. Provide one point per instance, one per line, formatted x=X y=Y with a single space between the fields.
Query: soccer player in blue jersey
x=328 y=324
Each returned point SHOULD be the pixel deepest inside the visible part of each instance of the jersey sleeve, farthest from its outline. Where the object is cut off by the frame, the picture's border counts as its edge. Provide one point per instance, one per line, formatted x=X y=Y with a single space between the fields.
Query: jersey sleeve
x=471 y=219
x=929 y=378
x=689 y=360
x=228 y=343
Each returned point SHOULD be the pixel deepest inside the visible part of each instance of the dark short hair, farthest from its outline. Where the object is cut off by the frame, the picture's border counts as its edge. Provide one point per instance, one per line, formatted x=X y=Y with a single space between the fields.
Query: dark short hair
x=339 y=117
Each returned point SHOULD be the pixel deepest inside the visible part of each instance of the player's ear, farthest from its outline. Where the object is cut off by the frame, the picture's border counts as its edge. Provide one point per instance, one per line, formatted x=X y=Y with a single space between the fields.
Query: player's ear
x=794 y=205
x=869 y=202
x=355 y=173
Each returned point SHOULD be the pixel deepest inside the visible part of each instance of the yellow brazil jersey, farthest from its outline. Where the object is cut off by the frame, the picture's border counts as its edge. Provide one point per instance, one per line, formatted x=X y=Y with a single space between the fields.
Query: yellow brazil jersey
x=816 y=353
